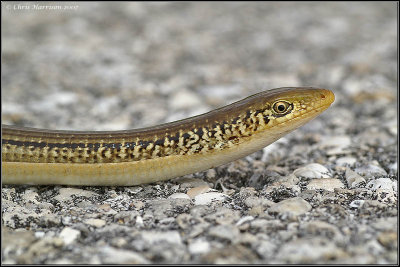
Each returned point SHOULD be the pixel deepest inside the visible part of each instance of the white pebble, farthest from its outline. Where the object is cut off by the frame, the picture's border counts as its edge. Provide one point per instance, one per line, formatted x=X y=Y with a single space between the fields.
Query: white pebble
x=68 y=235
x=384 y=195
x=358 y=203
x=208 y=198
x=343 y=161
x=328 y=184
x=31 y=196
x=139 y=221
x=312 y=170
x=66 y=193
x=244 y=219
x=179 y=195
x=381 y=183
x=39 y=234
x=199 y=247
x=198 y=190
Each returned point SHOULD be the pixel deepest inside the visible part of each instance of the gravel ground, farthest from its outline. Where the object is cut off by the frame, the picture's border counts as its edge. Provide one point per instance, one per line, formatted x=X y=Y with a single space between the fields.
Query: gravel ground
x=324 y=194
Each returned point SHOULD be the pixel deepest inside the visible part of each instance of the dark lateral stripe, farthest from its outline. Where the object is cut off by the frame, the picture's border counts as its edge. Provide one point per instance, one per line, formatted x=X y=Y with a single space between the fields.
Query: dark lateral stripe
x=116 y=146
x=24 y=143
x=94 y=146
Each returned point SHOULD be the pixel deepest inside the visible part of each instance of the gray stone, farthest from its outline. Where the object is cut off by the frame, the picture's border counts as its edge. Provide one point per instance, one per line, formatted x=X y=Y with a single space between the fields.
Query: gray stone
x=353 y=179
x=227 y=232
x=308 y=250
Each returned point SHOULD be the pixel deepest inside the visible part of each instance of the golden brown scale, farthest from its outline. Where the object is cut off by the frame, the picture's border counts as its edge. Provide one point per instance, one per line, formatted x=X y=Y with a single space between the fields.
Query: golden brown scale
x=196 y=140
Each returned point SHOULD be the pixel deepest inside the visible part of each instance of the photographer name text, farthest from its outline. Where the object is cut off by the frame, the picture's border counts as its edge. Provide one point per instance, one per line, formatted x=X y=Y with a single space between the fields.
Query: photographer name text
x=41 y=7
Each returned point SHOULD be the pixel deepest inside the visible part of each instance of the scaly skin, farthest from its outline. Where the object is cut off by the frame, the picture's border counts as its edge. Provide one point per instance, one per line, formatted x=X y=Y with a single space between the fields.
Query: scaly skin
x=37 y=156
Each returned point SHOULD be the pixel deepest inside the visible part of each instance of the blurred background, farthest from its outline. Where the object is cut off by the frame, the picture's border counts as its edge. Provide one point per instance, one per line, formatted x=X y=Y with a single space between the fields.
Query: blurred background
x=108 y=66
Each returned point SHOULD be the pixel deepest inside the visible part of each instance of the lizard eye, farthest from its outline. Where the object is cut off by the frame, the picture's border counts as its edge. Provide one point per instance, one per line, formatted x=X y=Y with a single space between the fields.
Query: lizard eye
x=282 y=107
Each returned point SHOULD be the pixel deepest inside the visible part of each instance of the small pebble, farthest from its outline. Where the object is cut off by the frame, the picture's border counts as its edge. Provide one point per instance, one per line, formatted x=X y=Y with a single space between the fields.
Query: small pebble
x=69 y=235
x=353 y=179
x=208 y=198
x=358 y=203
x=244 y=220
x=346 y=161
x=381 y=183
x=198 y=190
x=385 y=195
x=139 y=221
x=228 y=232
x=295 y=206
x=328 y=184
x=370 y=170
x=39 y=234
x=199 y=247
x=179 y=195
x=65 y=194
x=31 y=196
x=312 y=170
